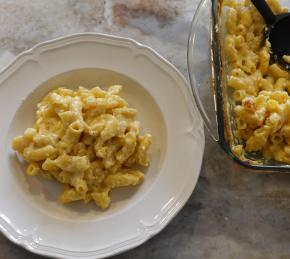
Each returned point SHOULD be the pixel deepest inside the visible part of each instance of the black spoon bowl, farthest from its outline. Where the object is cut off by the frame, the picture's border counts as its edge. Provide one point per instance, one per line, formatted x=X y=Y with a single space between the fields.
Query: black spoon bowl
x=277 y=32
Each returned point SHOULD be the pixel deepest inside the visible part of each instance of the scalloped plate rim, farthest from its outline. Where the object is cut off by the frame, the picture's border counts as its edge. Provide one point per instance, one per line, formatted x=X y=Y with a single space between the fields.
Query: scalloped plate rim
x=148 y=231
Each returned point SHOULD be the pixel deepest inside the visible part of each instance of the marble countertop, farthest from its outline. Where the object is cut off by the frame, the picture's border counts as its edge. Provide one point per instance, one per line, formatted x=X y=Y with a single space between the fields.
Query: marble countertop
x=232 y=213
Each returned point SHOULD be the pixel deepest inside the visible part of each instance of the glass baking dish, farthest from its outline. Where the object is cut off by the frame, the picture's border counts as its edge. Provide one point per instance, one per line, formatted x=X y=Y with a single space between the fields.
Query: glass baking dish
x=207 y=73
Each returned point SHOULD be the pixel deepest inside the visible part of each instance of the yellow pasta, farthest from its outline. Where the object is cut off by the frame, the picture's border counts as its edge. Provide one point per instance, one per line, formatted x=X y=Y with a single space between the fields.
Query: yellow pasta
x=121 y=179
x=88 y=140
x=261 y=87
x=33 y=169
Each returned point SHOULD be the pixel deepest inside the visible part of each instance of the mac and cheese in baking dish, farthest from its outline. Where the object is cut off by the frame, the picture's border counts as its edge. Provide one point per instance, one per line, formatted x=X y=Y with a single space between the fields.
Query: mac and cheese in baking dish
x=260 y=87
x=88 y=140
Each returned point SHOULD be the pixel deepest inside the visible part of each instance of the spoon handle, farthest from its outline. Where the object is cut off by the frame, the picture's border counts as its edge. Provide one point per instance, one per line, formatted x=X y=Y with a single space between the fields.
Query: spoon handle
x=265 y=11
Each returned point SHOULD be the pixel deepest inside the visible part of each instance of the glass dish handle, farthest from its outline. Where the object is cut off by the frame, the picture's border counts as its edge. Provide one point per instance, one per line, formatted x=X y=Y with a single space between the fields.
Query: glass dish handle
x=195 y=78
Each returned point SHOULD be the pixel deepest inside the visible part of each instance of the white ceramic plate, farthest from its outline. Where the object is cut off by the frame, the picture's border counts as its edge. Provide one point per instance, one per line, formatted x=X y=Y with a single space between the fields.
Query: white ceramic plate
x=29 y=213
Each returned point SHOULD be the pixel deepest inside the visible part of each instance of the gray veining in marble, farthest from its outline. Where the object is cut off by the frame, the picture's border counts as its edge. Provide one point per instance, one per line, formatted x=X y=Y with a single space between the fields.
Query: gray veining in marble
x=232 y=213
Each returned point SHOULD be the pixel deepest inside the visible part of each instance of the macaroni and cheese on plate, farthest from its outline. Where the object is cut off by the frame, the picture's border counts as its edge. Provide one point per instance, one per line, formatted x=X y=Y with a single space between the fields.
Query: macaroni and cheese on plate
x=88 y=140
x=30 y=217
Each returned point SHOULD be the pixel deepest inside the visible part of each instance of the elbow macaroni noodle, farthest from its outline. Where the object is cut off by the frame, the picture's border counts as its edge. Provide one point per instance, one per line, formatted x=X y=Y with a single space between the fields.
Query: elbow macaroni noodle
x=88 y=140
x=260 y=88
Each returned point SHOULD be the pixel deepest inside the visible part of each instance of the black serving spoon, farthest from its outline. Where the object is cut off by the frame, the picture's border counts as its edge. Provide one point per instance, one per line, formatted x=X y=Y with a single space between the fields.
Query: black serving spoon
x=277 y=32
